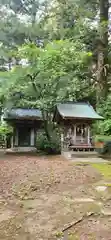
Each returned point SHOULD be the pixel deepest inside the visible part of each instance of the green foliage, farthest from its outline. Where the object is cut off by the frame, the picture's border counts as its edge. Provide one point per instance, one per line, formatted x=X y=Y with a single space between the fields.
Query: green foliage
x=51 y=146
x=56 y=73
x=104 y=127
x=59 y=235
x=26 y=7
x=102 y=138
x=5 y=129
x=106 y=148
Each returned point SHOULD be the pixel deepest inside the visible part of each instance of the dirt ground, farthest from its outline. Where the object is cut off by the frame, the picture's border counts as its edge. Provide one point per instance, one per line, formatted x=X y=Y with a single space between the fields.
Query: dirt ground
x=39 y=197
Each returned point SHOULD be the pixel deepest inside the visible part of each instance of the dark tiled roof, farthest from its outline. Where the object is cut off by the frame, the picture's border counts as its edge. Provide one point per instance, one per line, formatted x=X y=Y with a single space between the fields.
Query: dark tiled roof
x=77 y=110
x=20 y=113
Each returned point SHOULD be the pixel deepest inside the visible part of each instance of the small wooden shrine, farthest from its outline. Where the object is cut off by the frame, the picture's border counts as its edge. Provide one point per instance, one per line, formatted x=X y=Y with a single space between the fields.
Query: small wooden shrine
x=25 y=123
x=75 y=120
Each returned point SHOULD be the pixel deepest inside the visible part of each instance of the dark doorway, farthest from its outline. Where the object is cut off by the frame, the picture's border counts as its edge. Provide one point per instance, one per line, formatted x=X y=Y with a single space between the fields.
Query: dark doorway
x=24 y=136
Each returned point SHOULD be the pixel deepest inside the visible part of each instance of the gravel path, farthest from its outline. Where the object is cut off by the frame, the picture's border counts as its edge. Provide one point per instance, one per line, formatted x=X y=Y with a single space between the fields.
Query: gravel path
x=40 y=195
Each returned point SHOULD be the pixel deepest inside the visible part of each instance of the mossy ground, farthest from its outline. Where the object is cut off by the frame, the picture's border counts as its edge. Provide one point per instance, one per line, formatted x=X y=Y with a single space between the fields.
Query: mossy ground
x=104 y=169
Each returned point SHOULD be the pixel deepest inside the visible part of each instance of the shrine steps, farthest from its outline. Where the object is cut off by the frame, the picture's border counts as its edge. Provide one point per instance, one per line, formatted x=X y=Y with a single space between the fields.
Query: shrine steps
x=82 y=147
x=84 y=154
x=79 y=154
x=21 y=150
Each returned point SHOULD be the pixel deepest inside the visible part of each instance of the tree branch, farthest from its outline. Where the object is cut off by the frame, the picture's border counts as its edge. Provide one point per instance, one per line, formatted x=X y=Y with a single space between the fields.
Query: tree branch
x=78 y=221
x=32 y=80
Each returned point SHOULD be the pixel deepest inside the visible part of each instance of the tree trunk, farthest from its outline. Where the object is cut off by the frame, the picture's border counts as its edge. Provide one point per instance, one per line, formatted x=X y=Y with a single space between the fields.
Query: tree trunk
x=34 y=11
x=33 y=18
x=10 y=63
x=45 y=121
x=102 y=63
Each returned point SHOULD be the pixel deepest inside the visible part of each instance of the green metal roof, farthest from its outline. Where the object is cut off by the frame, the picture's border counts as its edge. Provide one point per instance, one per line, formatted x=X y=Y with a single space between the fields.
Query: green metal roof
x=20 y=113
x=78 y=110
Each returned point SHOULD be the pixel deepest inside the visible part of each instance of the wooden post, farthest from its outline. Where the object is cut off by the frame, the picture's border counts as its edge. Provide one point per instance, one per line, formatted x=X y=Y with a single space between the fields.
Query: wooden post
x=16 y=137
x=82 y=139
x=12 y=142
x=32 y=136
x=75 y=134
x=62 y=142
x=35 y=136
x=88 y=135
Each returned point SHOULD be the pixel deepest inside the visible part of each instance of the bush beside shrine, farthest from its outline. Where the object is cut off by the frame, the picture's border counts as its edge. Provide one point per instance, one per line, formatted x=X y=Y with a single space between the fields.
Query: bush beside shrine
x=103 y=144
x=5 y=131
x=47 y=146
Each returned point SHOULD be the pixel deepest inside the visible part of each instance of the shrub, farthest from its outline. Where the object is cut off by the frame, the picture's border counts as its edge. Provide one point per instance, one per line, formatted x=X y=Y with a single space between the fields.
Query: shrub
x=106 y=149
x=49 y=147
x=5 y=130
x=104 y=127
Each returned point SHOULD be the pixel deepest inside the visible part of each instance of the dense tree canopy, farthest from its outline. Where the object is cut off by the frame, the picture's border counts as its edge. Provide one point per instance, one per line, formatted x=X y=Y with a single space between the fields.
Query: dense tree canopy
x=66 y=46
x=53 y=74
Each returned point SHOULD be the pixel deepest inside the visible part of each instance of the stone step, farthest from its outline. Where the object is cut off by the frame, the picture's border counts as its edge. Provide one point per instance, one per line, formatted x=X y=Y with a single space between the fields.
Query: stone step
x=72 y=154
x=84 y=154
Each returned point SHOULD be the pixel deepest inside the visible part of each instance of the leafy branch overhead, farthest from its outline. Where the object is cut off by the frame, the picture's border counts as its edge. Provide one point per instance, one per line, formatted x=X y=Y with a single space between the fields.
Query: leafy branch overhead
x=52 y=74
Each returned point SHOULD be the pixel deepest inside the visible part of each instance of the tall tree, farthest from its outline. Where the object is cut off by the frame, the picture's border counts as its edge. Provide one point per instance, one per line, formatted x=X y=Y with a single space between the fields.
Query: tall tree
x=27 y=8
x=71 y=19
x=17 y=18
x=52 y=76
x=102 y=63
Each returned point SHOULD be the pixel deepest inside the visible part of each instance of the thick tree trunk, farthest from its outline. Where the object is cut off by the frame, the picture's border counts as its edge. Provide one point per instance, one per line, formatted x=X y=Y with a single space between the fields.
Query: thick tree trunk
x=102 y=63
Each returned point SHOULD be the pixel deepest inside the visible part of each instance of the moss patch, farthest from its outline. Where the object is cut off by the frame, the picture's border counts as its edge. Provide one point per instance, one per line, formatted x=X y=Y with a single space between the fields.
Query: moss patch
x=104 y=169
x=73 y=237
x=107 y=185
x=76 y=236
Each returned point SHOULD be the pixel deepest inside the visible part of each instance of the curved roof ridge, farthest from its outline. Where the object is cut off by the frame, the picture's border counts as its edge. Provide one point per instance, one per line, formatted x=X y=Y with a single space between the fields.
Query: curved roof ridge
x=78 y=110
